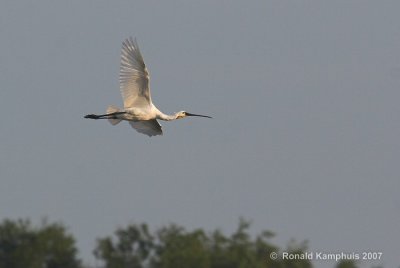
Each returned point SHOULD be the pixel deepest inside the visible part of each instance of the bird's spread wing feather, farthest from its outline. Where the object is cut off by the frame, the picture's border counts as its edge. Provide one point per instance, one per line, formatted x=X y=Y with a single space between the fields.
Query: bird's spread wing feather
x=148 y=127
x=133 y=76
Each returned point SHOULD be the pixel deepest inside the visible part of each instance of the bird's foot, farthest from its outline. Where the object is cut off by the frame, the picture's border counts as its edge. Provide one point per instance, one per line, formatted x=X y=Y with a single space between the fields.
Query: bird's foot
x=92 y=116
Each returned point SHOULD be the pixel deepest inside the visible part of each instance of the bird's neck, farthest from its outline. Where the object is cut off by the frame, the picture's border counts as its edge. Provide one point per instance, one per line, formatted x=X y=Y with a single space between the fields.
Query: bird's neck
x=166 y=117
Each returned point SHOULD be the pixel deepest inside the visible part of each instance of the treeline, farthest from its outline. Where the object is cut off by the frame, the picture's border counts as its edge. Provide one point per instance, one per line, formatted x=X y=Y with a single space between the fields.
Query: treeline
x=49 y=245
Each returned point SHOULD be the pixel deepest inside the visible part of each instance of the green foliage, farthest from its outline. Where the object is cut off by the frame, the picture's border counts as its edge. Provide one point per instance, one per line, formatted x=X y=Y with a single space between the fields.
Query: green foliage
x=132 y=249
x=347 y=264
x=174 y=247
x=49 y=246
x=22 y=245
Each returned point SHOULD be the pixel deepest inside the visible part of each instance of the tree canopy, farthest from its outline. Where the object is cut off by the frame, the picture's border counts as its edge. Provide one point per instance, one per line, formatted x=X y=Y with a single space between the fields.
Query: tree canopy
x=174 y=247
x=22 y=246
x=135 y=246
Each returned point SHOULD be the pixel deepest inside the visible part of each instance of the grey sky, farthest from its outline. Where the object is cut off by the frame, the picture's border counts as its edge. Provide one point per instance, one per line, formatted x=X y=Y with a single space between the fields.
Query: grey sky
x=304 y=140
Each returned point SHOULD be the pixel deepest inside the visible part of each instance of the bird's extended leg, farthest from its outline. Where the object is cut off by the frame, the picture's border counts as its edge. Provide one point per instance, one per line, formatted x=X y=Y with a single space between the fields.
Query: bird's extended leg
x=103 y=116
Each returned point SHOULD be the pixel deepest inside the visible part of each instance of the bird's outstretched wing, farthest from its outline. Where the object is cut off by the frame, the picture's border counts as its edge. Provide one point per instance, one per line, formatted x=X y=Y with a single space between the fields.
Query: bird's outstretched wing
x=148 y=127
x=133 y=76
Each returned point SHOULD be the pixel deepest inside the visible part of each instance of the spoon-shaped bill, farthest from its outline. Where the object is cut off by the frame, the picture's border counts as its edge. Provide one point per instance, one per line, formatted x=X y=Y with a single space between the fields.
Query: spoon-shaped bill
x=199 y=115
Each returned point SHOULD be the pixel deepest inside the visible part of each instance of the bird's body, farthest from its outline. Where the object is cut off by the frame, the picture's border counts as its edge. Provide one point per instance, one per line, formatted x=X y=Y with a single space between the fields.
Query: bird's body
x=134 y=85
x=140 y=114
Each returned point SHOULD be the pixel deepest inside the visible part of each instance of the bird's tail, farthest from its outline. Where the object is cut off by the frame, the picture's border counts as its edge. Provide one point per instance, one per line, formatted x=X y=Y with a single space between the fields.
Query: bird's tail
x=113 y=109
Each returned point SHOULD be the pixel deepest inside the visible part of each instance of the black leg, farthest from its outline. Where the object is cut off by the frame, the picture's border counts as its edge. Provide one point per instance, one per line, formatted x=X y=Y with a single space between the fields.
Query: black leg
x=103 y=116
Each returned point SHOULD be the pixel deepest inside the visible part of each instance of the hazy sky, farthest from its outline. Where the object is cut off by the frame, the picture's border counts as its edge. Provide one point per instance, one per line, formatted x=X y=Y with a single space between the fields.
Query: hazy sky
x=305 y=136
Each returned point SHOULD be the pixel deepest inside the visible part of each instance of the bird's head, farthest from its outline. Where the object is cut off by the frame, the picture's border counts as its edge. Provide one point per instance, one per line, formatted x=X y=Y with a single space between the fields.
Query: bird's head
x=183 y=114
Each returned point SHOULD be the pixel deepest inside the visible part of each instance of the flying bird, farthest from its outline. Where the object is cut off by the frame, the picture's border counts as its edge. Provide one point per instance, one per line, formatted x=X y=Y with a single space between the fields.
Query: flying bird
x=138 y=109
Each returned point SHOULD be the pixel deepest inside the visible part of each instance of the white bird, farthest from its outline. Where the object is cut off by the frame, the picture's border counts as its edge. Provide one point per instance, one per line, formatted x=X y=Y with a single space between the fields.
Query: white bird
x=138 y=109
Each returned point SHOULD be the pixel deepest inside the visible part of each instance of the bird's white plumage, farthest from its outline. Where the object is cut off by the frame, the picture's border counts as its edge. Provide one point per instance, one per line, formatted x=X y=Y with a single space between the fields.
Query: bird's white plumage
x=138 y=110
x=134 y=85
x=133 y=76
x=148 y=127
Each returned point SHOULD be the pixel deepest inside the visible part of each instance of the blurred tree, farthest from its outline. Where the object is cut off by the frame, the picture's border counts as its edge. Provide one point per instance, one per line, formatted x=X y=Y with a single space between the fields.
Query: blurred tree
x=347 y=264
x=49 y=246
x=174 y=247
x=23 y=246
x=179 y=249
x=296 y=248
x=133 y=249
